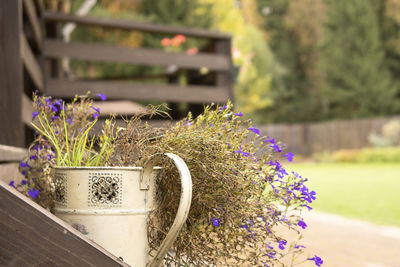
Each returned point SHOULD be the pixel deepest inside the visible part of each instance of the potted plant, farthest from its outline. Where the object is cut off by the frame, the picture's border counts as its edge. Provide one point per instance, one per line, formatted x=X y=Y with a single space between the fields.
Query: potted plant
x=242 y=195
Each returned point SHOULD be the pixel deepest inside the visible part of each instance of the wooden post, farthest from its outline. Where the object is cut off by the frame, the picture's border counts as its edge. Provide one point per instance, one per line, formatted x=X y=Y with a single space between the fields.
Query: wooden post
x=225 y=79
x=11 y=74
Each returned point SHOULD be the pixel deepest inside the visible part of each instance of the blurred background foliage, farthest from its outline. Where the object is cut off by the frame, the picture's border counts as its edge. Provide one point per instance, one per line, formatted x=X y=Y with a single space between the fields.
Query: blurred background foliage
x=297 y=61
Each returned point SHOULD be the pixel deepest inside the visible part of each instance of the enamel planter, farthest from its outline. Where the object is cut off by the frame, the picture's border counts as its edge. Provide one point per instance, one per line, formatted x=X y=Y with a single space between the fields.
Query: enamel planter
x=110 y=205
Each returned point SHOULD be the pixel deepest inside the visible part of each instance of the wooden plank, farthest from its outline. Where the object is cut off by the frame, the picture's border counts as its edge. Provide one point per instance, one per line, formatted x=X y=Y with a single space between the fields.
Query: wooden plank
x=10 y=172
x=135 y=91
x=133 y=25
x=12 y=153
x=11 y=74
x=122 y=107
x=27 y=110
x=25 y=224
x=31 y=63
x=30 y=10
x=100 y=52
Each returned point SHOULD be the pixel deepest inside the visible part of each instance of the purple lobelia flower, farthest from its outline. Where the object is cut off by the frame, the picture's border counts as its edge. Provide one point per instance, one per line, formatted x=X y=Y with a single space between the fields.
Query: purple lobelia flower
x=96 y=114
x=302 y=224
x=289 y=156
x=33 y=193
x=35 y=114
x=318 y=261
x=102 y=97
x=216 y=221
x=254 y=130
x=269 y=140
x=11 y=184
x=240 y=114
x=275 y=147
x=24 y=165
x=223 y=108
x=282 y=244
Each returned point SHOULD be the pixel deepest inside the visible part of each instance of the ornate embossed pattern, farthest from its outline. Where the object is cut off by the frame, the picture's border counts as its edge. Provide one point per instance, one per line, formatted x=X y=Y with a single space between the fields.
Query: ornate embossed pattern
x=61 y=188
x=105 y=189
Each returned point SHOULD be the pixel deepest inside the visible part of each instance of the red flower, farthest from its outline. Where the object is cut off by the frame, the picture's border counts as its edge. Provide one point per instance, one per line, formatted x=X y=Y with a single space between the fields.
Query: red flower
x=166 y=42
x=178 y=40
x=192 y=51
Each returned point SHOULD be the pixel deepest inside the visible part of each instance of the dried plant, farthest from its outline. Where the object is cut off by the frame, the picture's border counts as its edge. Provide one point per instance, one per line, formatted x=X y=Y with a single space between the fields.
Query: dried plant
x=242 y=196
x=241 y=193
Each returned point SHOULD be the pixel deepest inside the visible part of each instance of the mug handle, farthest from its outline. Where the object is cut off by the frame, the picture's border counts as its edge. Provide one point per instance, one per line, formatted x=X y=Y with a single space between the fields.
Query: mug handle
x=184 y=203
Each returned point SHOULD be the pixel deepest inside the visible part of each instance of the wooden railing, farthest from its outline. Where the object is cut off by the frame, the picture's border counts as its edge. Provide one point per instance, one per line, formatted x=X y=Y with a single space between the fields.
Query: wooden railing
x=21 y=74
x=218 y=62
x=31 y=49
x=29 y=62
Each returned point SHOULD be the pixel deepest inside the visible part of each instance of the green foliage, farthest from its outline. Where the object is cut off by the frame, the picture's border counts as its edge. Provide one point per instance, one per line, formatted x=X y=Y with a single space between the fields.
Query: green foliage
x=190 y=13
x=258 y=67
x=380 y=155
x=366 y=155
x=357 y=82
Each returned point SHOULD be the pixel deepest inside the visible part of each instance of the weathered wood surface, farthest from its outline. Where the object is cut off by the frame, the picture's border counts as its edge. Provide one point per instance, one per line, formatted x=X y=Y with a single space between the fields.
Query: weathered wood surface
x=147 y=56
x=10 y=172
x=11 y=153
x=31 y=63
x=27 y=110
x=132 y=25
x=30 y=10
x=32 y=236
x=123 y=108
x=135 y=91
x=11 y=74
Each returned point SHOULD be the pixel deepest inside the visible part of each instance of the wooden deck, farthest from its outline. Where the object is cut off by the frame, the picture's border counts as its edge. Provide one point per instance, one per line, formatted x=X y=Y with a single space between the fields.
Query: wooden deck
x=32 y=236
x=30 y=52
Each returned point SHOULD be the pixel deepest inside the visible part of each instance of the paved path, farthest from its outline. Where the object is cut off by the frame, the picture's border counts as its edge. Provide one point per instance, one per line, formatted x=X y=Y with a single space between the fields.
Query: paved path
x=350 y=243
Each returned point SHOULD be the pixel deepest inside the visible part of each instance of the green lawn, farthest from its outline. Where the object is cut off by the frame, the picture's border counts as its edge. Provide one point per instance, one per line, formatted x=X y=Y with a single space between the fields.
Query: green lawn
x=363 y=191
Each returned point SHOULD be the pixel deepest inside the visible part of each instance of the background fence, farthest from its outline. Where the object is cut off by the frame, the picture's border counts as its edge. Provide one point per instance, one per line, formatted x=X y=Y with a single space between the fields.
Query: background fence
x=308 y=138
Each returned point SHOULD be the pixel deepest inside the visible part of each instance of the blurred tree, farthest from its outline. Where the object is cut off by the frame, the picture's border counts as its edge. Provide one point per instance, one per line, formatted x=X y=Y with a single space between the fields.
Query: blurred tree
x=390 y=14
x=188 y=13
x=251 y=54
x=294 y=30
x=304 y=20
x=357 y=83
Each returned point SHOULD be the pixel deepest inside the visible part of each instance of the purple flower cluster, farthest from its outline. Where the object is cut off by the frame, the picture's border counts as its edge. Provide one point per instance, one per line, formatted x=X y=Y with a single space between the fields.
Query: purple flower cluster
x=280 y=171
x=272 y=144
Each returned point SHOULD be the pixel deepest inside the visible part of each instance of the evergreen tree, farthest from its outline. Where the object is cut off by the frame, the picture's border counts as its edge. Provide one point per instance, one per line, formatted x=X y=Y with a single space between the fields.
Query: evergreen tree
x=390 y=24
x=357 y=83
x=294 y=33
